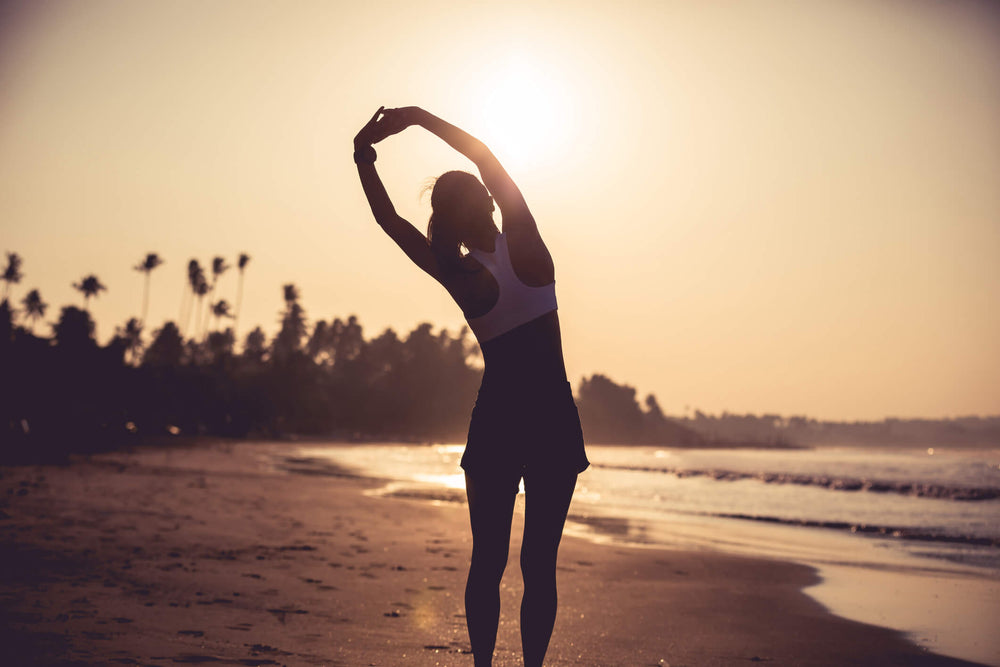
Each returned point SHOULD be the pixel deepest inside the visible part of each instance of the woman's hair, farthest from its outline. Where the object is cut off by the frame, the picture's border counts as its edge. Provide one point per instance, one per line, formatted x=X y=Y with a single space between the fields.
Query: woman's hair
x=458 y=201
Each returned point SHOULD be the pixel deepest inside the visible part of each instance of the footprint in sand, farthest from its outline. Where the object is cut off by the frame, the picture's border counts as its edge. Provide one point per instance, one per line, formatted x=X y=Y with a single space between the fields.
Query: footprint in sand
x=257 y=649
x=195 y=659
x=437 y=647
x=282 y=613
x=320 y=533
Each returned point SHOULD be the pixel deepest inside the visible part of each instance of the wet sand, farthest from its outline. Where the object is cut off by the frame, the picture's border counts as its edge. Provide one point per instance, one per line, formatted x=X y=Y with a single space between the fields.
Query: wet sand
x=205 y=555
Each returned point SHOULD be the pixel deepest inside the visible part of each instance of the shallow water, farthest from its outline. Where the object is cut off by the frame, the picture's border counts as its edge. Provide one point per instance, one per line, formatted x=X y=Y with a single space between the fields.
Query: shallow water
x=926 y=522
x=944 y=505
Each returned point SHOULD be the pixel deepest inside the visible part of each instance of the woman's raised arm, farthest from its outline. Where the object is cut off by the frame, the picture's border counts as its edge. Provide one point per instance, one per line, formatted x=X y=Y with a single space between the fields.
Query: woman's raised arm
x=496 y=179
x=407 y=237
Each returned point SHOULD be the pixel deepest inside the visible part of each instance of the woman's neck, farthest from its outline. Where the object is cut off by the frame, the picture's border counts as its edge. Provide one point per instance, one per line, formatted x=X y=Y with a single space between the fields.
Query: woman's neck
x=485 y=240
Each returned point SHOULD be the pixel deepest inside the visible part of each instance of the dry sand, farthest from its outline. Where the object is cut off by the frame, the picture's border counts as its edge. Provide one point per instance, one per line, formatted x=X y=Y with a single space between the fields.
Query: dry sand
x=205 y=555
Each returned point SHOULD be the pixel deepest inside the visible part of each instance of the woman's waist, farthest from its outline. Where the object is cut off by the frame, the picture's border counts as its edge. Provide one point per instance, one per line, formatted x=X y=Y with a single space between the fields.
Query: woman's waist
x=537 y=344
x=525 y=384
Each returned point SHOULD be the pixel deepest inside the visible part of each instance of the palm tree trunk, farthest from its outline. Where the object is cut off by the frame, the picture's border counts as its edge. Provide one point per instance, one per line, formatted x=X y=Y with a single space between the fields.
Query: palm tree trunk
x=208 y=311
x=239 y=304
x=145 y=298
x=180 y=315
x=197 y=317
x=188 y=310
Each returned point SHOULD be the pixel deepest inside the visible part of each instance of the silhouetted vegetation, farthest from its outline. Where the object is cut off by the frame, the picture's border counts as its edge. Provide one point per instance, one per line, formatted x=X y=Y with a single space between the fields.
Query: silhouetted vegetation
x=777 y=430
x=611 y=414
x=67 y=393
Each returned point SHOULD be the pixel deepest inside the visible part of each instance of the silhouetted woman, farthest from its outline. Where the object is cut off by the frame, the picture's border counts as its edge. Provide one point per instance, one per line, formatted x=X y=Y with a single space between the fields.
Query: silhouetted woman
x=524 y=424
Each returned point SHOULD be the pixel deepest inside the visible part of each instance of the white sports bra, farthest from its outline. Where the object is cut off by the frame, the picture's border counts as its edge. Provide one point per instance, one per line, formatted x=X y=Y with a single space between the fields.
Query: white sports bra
x=517 y=303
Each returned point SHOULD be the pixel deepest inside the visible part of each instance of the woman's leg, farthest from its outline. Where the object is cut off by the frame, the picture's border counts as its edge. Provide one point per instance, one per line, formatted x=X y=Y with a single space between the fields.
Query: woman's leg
x=547 y=499
x=491 y=507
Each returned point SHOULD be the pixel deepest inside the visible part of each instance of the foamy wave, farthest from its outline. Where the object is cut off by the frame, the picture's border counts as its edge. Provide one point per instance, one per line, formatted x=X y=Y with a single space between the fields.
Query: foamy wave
x=917 y=534
x=919 y=489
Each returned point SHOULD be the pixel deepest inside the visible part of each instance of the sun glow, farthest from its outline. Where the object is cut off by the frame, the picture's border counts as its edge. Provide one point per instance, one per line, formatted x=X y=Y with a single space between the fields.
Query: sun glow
x=526 y=110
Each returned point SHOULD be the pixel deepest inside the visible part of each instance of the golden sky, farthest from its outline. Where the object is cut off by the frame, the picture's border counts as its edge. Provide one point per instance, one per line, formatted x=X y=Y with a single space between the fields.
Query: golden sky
x=754 y=207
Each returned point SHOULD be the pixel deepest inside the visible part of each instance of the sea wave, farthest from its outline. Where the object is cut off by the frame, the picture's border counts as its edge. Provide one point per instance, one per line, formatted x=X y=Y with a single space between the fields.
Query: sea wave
x=833 y=483
x=904 y=533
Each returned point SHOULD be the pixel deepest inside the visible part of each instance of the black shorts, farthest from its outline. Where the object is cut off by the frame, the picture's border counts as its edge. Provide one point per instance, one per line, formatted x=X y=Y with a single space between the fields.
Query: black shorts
x=524 y=429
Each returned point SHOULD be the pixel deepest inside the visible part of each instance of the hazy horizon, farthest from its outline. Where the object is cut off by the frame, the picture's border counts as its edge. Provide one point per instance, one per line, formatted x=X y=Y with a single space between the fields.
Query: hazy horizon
x=767 y=209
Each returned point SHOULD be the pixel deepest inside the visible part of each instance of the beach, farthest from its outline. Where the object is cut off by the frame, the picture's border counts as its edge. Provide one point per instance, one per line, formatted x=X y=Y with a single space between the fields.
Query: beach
x=205 y=554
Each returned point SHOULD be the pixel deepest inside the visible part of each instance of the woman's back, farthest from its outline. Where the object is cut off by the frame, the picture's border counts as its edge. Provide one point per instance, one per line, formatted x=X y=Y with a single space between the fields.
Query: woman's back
x=529 y=355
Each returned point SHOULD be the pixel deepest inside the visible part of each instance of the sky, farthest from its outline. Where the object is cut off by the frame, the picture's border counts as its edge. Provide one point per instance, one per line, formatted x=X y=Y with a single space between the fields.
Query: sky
x=763 y=207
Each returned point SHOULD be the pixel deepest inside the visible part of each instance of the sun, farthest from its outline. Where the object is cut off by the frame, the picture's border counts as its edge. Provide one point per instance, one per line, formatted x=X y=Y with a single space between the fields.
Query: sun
x=527 y=112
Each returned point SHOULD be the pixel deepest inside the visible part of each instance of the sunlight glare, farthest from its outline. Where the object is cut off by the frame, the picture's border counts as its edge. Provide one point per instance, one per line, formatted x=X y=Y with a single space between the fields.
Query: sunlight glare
x=527 y=111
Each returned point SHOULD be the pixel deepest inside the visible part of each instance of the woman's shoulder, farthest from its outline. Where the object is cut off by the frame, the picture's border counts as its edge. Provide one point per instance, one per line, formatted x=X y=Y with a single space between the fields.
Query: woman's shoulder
x=529 y=257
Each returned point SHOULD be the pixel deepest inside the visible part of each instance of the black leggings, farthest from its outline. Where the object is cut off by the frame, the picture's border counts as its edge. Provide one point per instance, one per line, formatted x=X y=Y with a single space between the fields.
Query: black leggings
x=491 y=508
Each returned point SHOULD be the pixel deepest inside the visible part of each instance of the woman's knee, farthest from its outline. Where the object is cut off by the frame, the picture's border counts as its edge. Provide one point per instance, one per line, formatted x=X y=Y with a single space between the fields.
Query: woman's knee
x=538 y=566
x=488 y=565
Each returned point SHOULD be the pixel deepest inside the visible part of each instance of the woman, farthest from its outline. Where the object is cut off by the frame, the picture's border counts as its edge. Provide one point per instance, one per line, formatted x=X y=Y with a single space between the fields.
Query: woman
x=525 y=424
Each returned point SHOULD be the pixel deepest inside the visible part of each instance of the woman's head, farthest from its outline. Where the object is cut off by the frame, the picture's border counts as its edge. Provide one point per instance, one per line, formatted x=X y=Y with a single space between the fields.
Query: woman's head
x=461 y=210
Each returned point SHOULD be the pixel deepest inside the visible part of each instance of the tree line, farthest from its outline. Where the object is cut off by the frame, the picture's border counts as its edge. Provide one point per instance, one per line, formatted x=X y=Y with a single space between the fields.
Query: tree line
x=774 y=429
x=64 y=392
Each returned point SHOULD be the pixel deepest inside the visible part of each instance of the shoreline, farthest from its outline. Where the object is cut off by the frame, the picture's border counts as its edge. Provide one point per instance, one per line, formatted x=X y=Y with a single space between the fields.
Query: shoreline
x=204 y=554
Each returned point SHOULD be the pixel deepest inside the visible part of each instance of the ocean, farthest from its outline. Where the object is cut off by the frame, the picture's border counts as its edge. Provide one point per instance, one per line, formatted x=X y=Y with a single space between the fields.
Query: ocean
x=904 y=538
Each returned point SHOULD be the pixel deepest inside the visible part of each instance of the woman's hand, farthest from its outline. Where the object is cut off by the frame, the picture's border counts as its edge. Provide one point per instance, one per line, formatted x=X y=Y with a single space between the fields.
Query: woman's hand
x=392 y=121
x=367 y=135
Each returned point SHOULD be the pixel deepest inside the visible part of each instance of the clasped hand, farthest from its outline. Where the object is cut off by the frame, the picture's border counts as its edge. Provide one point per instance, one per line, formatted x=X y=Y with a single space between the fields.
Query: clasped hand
x=385 y=123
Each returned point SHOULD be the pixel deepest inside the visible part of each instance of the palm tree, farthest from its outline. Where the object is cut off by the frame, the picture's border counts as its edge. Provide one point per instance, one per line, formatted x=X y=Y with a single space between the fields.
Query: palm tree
x=219 y=267
x=34 y=308
x=220 y=309
x=12 y=273
x=90 y=287
x=200 y=289
x=131 y=334
x=195 y=276
x=241 y=265
x=146 y=266
x=291 y=294
x=293 y=326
